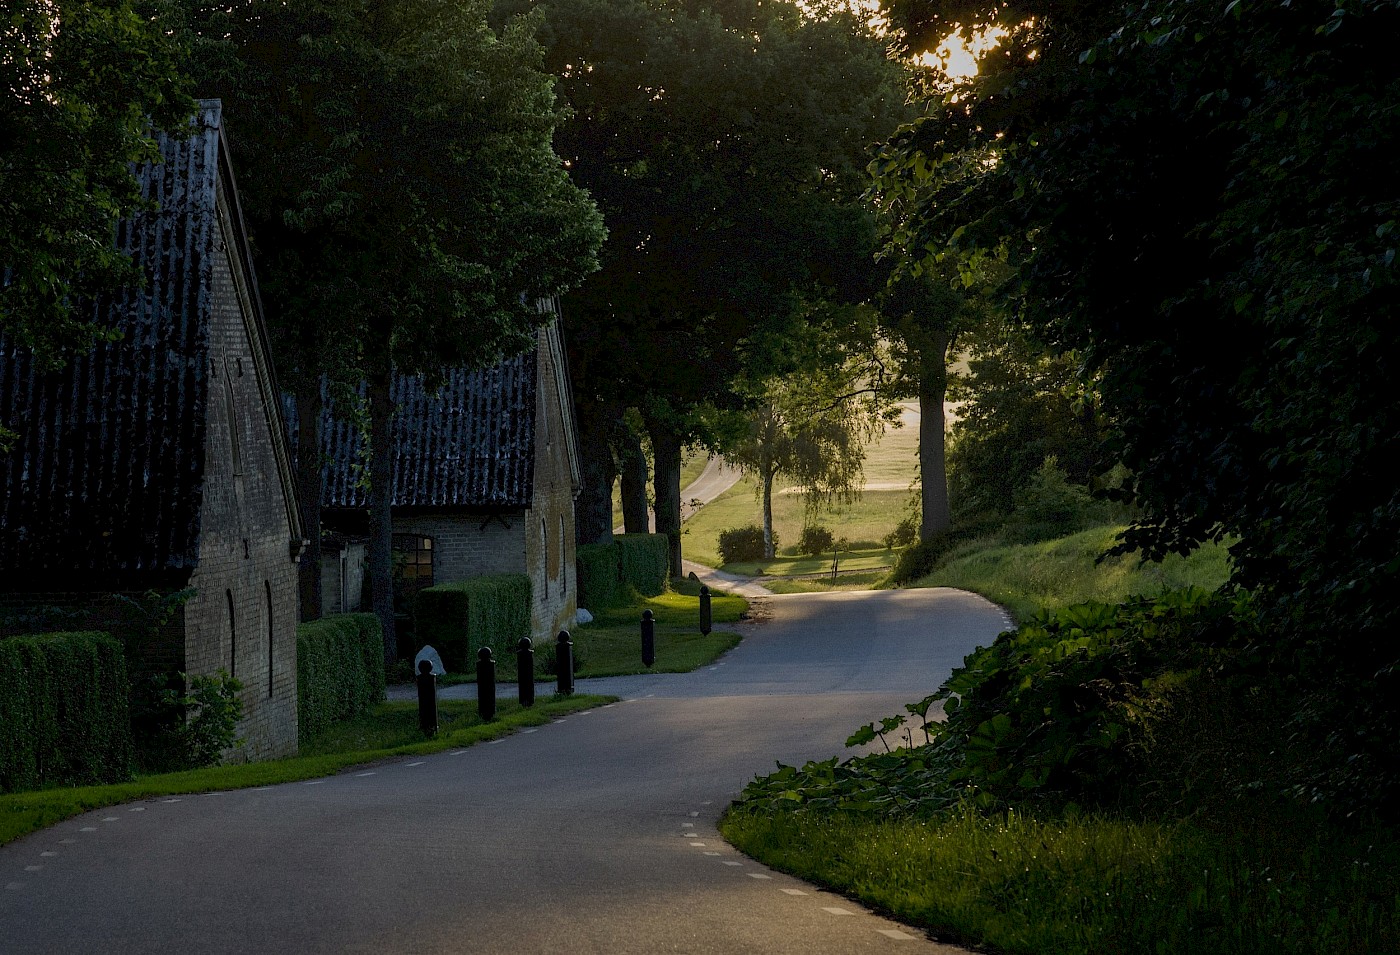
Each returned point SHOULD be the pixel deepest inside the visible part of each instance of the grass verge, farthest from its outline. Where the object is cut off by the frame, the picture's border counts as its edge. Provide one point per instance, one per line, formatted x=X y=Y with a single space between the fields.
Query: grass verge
x=612 y=644
x=389 y=730
x=1026 y=578
x=823 y=585
x=1093 y=884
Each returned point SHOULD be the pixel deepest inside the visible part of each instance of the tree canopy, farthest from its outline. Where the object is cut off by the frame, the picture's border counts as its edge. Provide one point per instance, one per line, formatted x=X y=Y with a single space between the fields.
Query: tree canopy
x=1198 y=198
x=403 y=192
x=83 y=83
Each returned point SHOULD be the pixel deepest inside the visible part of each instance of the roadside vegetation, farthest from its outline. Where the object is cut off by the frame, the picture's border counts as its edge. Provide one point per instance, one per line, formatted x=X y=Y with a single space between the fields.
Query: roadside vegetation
x=388 y=731
x=610 y=645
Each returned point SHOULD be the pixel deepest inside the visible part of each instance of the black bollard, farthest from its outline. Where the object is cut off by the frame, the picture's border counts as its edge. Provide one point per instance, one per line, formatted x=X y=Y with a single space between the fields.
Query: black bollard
x=525 y=671
x=427 y=699
x=485 y=685
x=564 y=663
x=648 y=638
x=705 y=610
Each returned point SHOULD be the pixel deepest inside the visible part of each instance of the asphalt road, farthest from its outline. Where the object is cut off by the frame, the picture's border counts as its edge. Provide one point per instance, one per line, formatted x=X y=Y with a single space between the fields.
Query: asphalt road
x=592 y=834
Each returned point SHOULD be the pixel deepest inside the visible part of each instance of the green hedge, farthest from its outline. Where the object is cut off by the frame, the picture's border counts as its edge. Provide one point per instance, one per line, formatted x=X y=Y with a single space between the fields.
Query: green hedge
x=644 y=562
x=340 y=670
x=599 y=584
x=63 y=711
x=459 y=619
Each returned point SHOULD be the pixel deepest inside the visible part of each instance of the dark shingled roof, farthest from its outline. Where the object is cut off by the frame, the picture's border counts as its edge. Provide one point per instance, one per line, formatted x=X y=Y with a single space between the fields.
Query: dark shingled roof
x=107 y=474
x=471 y=444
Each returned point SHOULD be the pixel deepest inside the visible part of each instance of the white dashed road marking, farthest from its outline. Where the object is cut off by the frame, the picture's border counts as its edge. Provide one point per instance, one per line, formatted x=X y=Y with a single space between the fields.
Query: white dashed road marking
x=313 y=782
x=419 y=763
x=47 y=855
x=759 y=875
x=14 y=885
x=32 y=868
x=137 y=809
x=712 y=853
x=109 y=818
x=361 y=775
x=836 y=910
x=734 y=863
x=895 y=933
x=794 y=892
x=88 y=829
x=698 y=845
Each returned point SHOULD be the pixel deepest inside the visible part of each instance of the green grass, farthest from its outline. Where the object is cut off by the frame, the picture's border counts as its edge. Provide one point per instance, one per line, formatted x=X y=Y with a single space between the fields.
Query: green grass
x=612 y=644
x=893 y=457
x=1026 y=578
x=821 y=585
x=871 y=559
x=866 y=520
x=390 y=730
x=1067 y=886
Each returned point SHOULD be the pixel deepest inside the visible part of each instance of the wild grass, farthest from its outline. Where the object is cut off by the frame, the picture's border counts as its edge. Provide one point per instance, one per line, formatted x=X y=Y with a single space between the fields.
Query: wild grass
x=389 y=730
x=1026 y=578
x=821 y=585
x=863 y=523
x=1066 y=886
x=868 y=559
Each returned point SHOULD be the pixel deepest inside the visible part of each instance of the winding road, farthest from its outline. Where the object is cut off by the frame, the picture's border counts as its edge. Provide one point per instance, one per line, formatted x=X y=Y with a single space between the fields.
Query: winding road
x=591 y=834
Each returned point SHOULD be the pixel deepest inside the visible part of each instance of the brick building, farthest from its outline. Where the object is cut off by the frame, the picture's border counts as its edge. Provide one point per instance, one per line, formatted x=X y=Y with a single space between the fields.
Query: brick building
x=159 y=461
x=485 y=476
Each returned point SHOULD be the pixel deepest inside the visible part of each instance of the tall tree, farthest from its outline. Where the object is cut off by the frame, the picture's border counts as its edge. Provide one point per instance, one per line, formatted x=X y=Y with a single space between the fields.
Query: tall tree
x=1199 y=200
x=725 y=143
x=812 y=428
x=397 y=159
x=84 y=84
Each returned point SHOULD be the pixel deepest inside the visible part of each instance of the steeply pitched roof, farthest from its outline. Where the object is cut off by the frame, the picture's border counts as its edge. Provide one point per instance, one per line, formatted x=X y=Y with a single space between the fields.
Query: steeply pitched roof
x=107 y=475
x=469 y=445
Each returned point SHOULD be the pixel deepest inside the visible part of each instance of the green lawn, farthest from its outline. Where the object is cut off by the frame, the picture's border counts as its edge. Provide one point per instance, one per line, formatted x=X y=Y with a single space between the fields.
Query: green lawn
x=821 y=585
x=893 y=457
x=388 y=731
x=1026 y=578
x=872 y=559
x=864 y=522
x=612 y=644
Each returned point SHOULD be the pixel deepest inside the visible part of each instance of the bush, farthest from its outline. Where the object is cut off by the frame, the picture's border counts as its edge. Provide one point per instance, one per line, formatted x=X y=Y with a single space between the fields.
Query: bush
x=599 y=581
x=815 y=540
x=905 y=532
x=64 y=718
x=180 y=723
x=340 y=670
x=644 y=562
x=742 y=543
x=459 y=619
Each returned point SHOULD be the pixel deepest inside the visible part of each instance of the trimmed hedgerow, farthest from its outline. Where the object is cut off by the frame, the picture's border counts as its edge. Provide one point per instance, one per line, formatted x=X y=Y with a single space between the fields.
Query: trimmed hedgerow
x=340 y=670
x=599 y=582
x=644 y=562
x=459 y=619
x=63 y=711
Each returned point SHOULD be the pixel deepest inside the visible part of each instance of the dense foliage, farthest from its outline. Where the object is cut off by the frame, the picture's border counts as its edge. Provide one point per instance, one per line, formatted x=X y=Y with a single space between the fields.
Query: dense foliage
x=743 y=543
x=340 y=670
x=81 y=85
x=1197 y=200
x=599 y=583
x=642 y=562
x=459 y=619
x=181 y=722
x=63 y=711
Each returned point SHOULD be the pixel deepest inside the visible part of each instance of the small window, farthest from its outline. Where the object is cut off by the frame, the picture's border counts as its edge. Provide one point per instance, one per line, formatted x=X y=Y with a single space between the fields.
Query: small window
x=232 y=637
x=267 y=588
x=413 y=561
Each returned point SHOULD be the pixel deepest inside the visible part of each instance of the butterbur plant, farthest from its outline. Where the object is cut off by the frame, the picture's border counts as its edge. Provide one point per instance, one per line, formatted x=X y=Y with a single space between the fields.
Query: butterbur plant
x=185 y=723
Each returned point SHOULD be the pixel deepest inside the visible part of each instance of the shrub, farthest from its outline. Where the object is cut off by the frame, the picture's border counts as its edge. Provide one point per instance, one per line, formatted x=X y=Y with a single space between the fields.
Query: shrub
x=181 y=723
x=905 y=532
x=64 y=717
x=459 y=619
x=742 y=543
x=815 y=540
x=599 y=581
x=340 y=670
x=644 y=562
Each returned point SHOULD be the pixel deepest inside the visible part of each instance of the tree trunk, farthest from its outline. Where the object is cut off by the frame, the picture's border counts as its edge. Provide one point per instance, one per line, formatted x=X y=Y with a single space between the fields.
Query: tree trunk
x=769 y=546
x=593 y=510
x=933 y=468
x=309 y=480
x=633 y=464
x=666 y=454
x=381 y=490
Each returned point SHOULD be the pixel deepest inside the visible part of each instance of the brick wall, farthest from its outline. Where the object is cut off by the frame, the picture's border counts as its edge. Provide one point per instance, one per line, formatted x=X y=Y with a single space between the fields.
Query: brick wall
x=469 y=545
x=244 y=615
x=549 y=538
